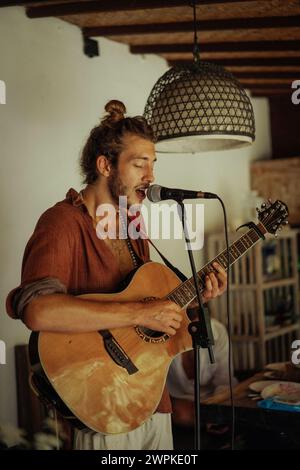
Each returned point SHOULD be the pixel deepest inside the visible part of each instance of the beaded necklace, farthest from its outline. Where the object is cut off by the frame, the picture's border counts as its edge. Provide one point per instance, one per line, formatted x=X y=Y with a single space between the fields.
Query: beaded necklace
x=128 y=242
x=124 y=229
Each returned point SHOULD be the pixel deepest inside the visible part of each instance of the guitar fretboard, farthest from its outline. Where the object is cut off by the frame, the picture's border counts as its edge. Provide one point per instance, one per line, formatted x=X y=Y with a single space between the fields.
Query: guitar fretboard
x=186 y=292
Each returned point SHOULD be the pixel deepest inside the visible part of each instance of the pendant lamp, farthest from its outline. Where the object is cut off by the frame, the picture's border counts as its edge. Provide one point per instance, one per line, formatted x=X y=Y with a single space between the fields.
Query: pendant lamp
x=199 y=107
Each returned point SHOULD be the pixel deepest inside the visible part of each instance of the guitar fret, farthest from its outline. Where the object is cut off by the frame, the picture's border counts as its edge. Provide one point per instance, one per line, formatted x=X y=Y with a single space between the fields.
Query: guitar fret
x=185 y=293
x=222 y=259
x=201 y=277
x=205 y=270
x=190 y=288
x=174 y=297
x=243 y=243
x=182 y=299
x=240 y=247
x=234 y=251
x=247 y=240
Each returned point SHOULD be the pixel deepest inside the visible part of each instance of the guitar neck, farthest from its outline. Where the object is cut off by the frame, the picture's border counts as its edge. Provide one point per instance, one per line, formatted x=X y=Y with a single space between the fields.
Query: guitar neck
x=185 y=293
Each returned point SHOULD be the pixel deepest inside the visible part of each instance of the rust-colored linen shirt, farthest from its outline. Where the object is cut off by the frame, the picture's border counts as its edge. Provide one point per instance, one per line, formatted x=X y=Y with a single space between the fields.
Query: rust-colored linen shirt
x=65 y=246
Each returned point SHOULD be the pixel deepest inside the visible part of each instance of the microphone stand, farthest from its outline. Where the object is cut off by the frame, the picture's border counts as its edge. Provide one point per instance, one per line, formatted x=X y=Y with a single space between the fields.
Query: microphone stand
x=199 y=330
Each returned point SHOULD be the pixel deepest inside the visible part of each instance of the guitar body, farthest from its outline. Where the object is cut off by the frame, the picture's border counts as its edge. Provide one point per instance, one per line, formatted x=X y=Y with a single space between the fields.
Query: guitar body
x=98 y=391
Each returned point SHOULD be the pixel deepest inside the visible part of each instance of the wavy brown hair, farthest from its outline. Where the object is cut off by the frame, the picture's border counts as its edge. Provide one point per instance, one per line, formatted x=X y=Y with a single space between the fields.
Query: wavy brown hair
x=107 y=138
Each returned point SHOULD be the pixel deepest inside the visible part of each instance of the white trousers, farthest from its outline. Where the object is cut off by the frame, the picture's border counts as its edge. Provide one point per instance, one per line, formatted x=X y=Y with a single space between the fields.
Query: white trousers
x=154 y=434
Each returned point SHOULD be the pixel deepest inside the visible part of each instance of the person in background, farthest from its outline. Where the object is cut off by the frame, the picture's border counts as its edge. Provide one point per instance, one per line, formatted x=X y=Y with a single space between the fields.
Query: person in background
x=214 y=378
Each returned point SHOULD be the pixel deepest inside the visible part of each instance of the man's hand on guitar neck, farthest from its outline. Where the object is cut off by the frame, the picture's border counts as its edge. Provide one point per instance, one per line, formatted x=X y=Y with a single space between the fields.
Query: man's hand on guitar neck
x=164 y=315
x=215 y=285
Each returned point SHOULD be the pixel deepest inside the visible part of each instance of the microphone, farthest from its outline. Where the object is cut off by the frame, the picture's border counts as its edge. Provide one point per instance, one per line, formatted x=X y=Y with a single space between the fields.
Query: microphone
x=156 y=193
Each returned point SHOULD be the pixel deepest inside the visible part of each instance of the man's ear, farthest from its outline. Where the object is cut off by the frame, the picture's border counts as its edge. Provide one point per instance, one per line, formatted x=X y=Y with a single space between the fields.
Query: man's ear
x=103 y=165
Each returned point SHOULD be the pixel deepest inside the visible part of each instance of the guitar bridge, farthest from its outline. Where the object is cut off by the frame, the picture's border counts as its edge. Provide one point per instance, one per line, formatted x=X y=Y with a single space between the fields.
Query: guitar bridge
x=117 y=353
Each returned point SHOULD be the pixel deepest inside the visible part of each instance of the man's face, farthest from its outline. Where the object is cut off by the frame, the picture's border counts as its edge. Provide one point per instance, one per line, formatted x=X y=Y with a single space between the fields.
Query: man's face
x=134 y=172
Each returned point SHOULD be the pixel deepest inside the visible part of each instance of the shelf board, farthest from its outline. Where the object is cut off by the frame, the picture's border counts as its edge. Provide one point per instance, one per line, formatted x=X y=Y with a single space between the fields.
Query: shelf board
x=290 y=281
x=272 y=334
x=245 y=339
x=279 y=283
x=282 y=331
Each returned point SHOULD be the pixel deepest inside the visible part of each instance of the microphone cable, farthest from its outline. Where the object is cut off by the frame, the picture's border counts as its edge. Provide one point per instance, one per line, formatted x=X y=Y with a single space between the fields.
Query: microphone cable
x=230 y=359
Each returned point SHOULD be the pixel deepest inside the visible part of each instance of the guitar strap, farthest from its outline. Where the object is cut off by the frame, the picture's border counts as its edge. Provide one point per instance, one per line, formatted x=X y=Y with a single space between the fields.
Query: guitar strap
x=140 y=228
x=178 y=273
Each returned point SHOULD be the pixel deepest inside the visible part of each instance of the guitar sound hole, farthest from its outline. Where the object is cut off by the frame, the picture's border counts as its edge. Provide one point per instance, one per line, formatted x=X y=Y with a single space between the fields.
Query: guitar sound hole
x=151 y=336
x=151 y=333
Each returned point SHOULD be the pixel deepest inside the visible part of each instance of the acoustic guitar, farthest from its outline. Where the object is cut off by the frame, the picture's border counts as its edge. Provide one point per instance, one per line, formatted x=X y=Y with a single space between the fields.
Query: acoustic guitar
x=112 y=381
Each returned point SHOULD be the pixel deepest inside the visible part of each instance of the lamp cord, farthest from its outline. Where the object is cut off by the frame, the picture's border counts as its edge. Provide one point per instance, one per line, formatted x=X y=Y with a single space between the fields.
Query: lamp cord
x=196 y=51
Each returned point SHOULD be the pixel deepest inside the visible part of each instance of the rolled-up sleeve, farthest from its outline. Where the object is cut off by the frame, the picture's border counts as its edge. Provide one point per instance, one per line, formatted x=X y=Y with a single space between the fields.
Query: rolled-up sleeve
x=24 y=295
x=47 y=264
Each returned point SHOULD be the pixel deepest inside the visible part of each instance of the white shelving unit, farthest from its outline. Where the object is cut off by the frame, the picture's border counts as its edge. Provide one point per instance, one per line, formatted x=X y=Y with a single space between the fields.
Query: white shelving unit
x=264 y=299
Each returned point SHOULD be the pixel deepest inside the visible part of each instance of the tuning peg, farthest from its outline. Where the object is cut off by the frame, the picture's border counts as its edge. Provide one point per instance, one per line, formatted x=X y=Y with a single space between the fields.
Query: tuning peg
x=263 y=205
x=286 y=222
x=280 y=228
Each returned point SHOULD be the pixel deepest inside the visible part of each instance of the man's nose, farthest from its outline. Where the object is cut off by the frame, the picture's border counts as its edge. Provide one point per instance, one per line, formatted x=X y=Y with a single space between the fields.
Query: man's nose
x=149 y=176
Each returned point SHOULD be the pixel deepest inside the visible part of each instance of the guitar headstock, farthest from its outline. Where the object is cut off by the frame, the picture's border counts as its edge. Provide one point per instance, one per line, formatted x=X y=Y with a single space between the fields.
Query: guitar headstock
x=273 y=215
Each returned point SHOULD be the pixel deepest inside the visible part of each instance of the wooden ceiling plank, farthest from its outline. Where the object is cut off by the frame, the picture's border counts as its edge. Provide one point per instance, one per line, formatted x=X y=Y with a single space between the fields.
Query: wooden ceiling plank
x=268 y=87
x=208 y=25
x=282 y=61
x=251 y=46
x=268 y=82
x=232 y=55
x=270 y=34
x=290 y=75
x=261 y=92
x=13 y=3
x=258 y=8
x=94 y=6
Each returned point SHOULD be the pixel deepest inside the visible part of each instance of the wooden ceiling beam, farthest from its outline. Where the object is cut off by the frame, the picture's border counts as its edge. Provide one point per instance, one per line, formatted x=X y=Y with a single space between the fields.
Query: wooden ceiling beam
x=284 y=86
x=13 y=3
x=262 y=92
x=187 y=26
x=249 y=46
x=276 y=61
x=267 y=75
x=96 y=6
x=262 y=83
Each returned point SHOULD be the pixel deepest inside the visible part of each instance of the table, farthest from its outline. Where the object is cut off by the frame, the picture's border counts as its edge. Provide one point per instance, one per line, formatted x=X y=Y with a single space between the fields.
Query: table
x=217 y=409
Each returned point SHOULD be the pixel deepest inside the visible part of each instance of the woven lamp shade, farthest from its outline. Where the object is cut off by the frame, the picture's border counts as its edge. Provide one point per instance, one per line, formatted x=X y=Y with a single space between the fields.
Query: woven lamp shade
x=203 y=102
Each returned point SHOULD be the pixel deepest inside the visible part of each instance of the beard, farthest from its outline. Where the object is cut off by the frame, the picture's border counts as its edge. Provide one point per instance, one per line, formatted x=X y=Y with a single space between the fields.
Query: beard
x=117 y=187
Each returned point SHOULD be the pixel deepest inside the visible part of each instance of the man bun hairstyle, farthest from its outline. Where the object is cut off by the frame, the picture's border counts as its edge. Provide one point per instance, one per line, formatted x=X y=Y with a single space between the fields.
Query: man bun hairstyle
x=107 y=138
x=116 y=111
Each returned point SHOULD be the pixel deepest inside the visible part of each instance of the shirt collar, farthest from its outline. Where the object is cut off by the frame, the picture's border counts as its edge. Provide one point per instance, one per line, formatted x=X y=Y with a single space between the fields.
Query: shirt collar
x=75 y=199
